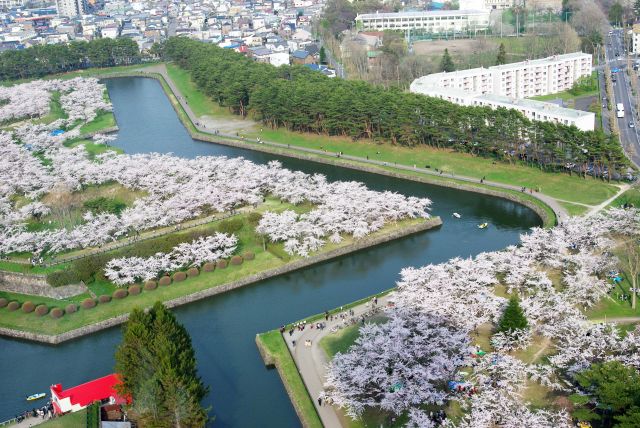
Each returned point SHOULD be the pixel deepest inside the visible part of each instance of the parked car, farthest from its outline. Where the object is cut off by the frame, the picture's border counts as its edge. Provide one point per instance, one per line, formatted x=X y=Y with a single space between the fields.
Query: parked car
x=631 y=125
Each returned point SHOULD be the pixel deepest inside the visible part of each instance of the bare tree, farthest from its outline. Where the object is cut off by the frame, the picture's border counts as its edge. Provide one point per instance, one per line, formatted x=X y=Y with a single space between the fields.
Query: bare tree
x=631 y=264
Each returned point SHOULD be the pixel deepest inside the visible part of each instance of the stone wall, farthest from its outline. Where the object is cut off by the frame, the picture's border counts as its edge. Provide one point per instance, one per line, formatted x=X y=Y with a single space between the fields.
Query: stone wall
x=366 y=242
x=37 y=285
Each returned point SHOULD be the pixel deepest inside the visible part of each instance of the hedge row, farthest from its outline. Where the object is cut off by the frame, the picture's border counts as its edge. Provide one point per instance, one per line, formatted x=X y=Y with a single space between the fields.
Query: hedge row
x=121 y=293
x=40 y=310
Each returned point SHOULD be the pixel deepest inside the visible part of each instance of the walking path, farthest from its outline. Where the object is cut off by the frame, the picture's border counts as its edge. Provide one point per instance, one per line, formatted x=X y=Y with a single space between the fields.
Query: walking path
x=161 y=69
x=595 y=208
x=312 y=360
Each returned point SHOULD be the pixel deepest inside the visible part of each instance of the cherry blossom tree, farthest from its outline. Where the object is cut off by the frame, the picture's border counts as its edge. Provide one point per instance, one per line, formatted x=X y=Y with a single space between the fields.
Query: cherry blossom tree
x=399 y=365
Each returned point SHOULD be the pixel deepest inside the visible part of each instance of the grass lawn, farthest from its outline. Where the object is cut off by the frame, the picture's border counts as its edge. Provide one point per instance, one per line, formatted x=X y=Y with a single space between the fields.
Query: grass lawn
x=630 y=196
x=70 y=420
x=103 y=120
x=55 y=110
x=573 y=209
x=558 y=185
x=67 y=208
x=200 y=104
x=94 y=149
x=274 y=345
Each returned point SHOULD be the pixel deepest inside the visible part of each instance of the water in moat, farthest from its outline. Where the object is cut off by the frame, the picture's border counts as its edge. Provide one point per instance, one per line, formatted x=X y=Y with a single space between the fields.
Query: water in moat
x=243 y=392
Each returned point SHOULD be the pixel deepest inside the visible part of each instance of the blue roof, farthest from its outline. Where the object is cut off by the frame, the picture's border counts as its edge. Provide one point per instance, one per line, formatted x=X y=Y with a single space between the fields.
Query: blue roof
x=300 y=54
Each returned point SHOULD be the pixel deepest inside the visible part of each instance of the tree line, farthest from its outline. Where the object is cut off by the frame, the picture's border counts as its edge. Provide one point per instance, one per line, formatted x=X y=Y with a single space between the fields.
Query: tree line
x=38 y=61
x=300 y=99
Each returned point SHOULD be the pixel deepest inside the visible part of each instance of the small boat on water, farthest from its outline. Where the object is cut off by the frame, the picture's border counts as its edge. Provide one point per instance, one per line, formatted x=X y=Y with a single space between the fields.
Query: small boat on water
x=38 y=396
x=483 y=226
x=456 y=215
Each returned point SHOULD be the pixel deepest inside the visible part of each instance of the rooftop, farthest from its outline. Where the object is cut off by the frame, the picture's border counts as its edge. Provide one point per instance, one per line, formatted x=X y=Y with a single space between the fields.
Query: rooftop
x=422 y=13
x=87 y=393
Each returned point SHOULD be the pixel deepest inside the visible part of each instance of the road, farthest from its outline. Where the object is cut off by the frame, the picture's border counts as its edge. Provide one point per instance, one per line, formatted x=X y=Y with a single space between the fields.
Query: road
x=616 y=57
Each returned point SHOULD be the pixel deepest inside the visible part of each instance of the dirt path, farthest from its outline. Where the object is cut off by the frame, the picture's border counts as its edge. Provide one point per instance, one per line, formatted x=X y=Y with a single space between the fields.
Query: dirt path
x=596 y=208
x=545 y=344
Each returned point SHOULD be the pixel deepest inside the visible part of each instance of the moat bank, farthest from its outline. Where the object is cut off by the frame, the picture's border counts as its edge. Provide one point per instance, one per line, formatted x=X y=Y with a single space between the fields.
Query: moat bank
x=223 y=327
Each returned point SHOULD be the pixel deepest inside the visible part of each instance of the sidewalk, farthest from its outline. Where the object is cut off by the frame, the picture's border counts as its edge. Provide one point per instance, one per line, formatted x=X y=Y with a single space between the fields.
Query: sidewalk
x=559 y=210
x=312 y=360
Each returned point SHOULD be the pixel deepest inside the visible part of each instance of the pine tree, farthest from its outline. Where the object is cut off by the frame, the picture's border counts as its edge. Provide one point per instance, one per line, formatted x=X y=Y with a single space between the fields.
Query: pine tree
x=157 y=365
x=502 y=55
x=323 y=55
x=636 y=7
x=513 y=317
x=447 y=63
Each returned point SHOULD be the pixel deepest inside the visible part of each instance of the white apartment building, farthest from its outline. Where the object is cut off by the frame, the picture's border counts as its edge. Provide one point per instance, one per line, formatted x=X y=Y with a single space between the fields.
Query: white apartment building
x=70 y=8
x=518 y=80
x=534 y=110
x=437 y=21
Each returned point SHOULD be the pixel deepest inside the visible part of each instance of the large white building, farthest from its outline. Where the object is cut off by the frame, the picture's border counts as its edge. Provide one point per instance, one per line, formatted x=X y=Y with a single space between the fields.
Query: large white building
x=437 y=21
x=508 y=85
x=518 y=80
x=70 y=8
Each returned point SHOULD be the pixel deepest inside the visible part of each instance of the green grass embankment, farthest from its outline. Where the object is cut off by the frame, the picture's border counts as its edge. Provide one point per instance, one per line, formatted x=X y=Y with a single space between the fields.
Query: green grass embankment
x=275 y=352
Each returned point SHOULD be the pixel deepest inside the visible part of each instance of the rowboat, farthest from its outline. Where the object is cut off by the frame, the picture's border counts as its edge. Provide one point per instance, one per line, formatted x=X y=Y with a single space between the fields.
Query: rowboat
x=38 y=396
x=456 y=215
x=483 y=226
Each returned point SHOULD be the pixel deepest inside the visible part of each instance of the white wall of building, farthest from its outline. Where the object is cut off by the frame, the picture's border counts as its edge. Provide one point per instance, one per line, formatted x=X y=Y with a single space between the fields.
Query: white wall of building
x=534 y=110
x=279 y=58
x=440 y=21
x=518 y=80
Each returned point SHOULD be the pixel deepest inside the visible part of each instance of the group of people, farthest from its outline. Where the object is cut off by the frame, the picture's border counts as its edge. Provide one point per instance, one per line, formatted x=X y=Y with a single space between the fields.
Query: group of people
x=44 y=412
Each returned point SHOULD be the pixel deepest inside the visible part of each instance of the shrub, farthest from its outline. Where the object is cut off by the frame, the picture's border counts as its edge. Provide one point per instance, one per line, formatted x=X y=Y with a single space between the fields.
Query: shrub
x=13 y=306
x=86 y=268
x=254 y=218
x=28 y=307
x=236 y=260
x=104 y=298
x=230 y=226
x=221 y=264
x=71 y=308
x=193 y=272
x=42 y=310
x=120 y=293
x=179 y=276
x=3 y=302
x=88 y=303
x=105 y=205
x=150 y=285
x=209 y=267
x=165 y=280
x=249 y=255
x=62 y=277
x=57 y=313
x=134 y=290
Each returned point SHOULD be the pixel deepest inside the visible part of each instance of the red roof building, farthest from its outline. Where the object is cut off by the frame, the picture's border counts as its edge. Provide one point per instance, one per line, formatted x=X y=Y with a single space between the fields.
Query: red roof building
x=79 y=397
